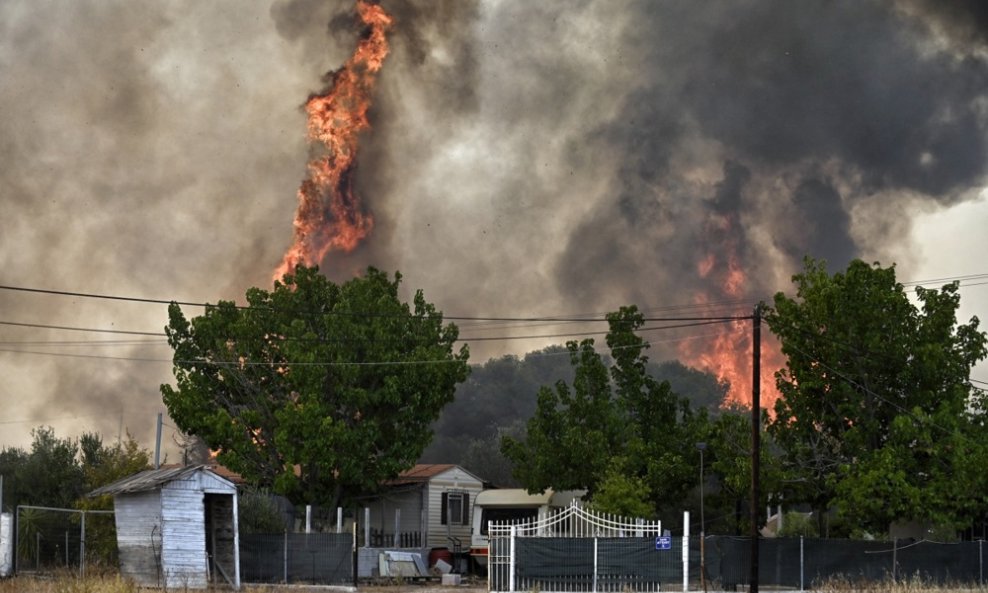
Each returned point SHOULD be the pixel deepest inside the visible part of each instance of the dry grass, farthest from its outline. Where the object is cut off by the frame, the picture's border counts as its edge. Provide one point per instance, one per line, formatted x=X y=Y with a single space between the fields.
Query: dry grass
x=907 y=585
x=115 y=584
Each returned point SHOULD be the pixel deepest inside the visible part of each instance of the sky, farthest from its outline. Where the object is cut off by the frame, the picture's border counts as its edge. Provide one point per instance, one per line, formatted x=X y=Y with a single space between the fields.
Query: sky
x=525 y=159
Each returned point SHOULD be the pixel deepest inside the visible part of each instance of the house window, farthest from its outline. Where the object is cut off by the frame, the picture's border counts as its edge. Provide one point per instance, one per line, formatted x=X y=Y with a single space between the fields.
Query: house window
x=455 y=508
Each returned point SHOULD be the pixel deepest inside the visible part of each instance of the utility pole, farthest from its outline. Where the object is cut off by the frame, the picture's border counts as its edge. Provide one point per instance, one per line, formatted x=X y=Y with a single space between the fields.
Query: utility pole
x=756 y=409
x=157 y=445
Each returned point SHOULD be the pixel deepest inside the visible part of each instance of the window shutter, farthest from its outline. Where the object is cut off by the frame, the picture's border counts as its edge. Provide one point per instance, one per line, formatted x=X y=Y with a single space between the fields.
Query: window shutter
x=443 y=507
x=465 y=520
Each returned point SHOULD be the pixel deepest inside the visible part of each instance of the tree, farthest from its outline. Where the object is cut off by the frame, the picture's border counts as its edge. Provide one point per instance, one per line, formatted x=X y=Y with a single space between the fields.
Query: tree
x=51 y=475
x=318 y=390
x=613 y=417
x=102 y=465
x=729 y=462
x=875 y=397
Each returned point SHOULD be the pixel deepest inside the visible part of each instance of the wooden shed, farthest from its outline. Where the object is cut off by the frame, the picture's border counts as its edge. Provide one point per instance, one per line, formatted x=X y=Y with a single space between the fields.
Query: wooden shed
x=177 y=527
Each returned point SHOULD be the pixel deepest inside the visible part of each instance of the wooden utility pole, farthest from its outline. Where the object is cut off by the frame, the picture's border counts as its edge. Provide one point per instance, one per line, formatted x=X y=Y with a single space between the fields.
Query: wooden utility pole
x=756 y=410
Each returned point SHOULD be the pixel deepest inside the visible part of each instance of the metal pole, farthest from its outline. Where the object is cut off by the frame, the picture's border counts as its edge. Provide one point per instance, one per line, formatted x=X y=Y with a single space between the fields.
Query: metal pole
x=308 y=518
x=686 y=551
x=157 y=445
x=339 y=519
x=895 y=560
x=703 y=567
x=802 y=564
x=82 y=547
x=595 y=553
x=511 y=562
x=367 y=542
x=756 y=373
x=285 y=557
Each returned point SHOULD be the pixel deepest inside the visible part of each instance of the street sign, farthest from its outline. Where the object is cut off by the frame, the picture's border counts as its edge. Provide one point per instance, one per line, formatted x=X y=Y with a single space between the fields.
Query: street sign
x=663 y=542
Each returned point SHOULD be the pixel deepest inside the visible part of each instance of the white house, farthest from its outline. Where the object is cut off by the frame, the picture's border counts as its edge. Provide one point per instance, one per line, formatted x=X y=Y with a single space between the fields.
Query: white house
x=427 y=506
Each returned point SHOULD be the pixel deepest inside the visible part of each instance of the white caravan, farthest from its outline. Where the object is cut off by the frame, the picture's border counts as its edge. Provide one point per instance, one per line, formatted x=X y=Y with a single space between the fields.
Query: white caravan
x=511 y=504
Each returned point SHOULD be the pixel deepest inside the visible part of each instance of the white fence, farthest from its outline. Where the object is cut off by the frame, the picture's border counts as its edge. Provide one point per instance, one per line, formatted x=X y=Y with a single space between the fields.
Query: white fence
x=573 y=549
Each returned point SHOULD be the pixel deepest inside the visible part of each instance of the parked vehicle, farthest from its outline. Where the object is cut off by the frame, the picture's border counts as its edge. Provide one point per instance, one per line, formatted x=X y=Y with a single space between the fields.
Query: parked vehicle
x=507 y=505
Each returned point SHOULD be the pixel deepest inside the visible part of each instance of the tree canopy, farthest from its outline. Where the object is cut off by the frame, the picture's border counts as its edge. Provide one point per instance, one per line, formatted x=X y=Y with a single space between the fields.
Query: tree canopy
x=319 y=390
x=58 y=472
x=877 y=415
x=616 y=431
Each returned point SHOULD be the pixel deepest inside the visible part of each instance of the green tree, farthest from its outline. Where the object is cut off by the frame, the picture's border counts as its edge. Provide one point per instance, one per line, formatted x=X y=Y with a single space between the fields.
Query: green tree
x=612 y=416
x=316 y=389
x=729 y=462
x=876 y=403
x=51 y=474
x=105 y=464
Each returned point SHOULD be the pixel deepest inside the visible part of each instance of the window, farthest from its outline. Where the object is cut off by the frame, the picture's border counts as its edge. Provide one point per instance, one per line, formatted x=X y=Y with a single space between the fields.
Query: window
x=455 y=508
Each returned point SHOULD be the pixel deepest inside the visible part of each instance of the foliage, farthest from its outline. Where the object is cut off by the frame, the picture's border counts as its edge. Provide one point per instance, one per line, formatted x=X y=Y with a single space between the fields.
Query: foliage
x=259 y=512
x=495 y=397
x=483 y=457
x=102 y=465
x=877 y=416
x=610 y=415
x=702 y=389
x=624 y=494
x=729 y=460
x=798 y=525
x=316 y=389
x=58 y=472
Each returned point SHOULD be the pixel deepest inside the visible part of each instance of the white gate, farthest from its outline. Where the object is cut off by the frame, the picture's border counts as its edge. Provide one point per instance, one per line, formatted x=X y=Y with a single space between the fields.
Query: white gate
x=575 y=550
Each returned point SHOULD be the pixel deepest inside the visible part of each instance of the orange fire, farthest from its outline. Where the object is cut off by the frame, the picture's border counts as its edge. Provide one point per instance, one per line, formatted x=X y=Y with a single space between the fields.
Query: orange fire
x=329 y=215
x=728 y=355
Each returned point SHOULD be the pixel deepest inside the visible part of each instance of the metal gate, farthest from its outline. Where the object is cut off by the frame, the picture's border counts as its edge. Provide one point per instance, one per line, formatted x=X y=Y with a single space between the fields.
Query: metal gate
x=574 y=549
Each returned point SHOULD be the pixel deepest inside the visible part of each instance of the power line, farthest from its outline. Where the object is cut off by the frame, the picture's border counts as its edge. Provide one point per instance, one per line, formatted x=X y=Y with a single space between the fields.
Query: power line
x=534 y=319
x=81 y=329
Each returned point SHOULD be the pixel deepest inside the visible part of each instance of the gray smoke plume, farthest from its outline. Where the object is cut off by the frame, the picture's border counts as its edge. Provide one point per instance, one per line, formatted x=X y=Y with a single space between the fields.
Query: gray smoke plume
x=526 y=158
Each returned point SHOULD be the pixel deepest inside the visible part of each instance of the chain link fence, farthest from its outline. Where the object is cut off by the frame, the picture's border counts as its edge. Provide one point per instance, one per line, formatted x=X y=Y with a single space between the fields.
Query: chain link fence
x=54 y=540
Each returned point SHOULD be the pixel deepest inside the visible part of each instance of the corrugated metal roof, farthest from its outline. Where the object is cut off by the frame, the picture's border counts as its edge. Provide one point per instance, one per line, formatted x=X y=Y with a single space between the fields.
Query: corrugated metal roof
x=148 y=480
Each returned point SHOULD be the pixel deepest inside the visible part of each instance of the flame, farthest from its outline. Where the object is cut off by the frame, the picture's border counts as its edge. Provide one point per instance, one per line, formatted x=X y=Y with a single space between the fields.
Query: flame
x=728 y=355
x=329 y=215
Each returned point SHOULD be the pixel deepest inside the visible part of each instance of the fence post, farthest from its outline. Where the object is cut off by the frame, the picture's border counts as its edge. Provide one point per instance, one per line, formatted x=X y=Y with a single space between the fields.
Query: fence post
x=356 y=553
x=802 y=565
x=397 y=526
x=981 y=563
x=511 y=561
x=895 y=561
x=595 y=552
x=284 y=557
x=367 y=542
x=686 y=551
x=82 y=547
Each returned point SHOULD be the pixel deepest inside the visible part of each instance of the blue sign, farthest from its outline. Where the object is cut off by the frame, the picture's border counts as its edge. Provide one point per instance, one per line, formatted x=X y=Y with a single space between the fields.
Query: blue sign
x=663 y=542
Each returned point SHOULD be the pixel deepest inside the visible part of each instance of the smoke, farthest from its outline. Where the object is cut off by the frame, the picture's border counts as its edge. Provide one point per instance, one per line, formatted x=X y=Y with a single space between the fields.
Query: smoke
x=525 y=158
x=560 y=157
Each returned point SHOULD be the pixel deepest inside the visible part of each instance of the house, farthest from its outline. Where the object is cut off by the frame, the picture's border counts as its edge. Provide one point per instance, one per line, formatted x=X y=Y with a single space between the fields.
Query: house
x=426 y=507
x=176 y=527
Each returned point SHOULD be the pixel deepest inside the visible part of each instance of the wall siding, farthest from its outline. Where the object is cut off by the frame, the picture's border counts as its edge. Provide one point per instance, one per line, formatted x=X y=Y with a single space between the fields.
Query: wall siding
x=139 y=536
x=183 y=531
x=453 y=480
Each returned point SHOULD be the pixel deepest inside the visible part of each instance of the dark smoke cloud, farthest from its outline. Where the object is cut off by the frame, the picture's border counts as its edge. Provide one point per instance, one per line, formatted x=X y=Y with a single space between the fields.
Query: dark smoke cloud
x=526 y=158
x=604 y=142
